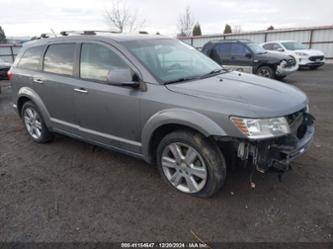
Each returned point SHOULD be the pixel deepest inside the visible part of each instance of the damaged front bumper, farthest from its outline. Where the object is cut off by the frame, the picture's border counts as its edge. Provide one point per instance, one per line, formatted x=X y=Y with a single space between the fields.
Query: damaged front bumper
x=286 y=67
x=277 y=153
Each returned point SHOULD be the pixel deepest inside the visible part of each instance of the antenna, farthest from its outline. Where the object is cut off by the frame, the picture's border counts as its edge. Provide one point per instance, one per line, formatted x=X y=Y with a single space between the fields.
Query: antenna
x=54 y=33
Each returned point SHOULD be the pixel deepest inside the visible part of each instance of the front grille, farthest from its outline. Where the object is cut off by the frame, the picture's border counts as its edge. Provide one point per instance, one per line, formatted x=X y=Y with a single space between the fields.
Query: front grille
x=315 y=58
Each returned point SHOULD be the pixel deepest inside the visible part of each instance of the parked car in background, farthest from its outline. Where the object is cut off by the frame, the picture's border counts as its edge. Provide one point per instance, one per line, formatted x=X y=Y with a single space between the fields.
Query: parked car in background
x=160 y=100
x=249 y=57
x=275 y=47
x=307 y=57
x=4 y=67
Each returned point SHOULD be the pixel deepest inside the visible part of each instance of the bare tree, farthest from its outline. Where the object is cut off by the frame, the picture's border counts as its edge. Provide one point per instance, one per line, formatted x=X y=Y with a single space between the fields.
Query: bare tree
x=123 y=18
x=237 y=29
x=186 y=23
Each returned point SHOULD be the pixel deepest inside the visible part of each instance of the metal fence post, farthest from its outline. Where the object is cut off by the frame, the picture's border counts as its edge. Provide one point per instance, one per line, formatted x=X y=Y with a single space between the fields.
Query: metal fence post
x=12 y=53
x=311 y=38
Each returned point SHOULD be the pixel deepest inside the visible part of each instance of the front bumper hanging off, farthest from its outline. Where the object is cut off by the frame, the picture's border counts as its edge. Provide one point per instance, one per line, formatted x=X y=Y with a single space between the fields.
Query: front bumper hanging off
x=279 y=152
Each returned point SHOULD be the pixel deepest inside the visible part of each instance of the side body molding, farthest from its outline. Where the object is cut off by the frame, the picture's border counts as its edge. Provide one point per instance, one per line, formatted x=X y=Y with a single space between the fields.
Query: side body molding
x=34 y=97
x=177 y=116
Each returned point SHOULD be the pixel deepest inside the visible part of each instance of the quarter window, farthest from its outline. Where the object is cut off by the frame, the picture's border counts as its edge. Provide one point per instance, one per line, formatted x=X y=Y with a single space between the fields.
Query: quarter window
x=97 y=61
x=31 y=58
x=59 y=59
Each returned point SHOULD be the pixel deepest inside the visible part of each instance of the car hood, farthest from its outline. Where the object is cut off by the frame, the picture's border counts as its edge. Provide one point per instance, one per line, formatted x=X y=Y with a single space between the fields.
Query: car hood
x=258 y=95
x=287 y=52
x=311 y=52
x=269 y=56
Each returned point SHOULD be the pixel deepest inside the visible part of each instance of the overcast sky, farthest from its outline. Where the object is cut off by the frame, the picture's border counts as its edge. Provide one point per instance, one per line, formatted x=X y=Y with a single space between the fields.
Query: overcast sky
x=33 y=17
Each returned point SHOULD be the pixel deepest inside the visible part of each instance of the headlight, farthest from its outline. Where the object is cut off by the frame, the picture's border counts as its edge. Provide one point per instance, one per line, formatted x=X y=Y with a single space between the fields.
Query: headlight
x=283 y=63
x=262 y=128
x=301 y=54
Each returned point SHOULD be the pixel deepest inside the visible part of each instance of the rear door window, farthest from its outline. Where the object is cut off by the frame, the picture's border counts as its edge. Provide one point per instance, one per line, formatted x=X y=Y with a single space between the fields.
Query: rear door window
x=224 y=48
x=220 y=52
x=31 y=58
x=59 y=59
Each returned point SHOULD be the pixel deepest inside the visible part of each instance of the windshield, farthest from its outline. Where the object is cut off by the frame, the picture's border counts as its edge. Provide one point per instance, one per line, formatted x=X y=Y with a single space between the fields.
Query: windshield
x=256 y=48
x=171 y=60
x=293 y=45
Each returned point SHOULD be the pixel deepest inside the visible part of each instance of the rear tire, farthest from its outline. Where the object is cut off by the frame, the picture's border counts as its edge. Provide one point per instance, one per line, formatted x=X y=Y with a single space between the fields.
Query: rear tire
x=34 y=123
x=266 y=71
x=191 y=163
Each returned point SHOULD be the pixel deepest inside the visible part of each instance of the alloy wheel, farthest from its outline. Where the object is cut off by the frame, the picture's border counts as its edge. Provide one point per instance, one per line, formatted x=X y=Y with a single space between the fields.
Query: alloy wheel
x=264 y=72
x=184 y=167
x=33 y=123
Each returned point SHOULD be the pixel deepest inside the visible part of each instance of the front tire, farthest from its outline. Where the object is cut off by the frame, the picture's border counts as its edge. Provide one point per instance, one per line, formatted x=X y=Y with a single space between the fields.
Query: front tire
x=34 y=123
x=191 y=164
x=266 y=71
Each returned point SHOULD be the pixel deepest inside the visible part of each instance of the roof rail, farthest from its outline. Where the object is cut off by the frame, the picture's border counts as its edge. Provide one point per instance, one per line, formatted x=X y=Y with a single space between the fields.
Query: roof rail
x=86 y=32
x=46 y=35
x=42 y=36
x=231 y=40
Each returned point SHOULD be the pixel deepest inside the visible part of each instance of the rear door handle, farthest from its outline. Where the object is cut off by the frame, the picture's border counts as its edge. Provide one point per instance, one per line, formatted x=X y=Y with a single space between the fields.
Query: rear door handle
x=37 y=80
x=81 y=90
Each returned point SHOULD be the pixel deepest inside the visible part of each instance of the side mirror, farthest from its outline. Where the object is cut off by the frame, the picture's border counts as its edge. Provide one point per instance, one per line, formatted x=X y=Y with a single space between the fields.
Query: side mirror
x=123 y=77
x=248 y=55
x=280 y=49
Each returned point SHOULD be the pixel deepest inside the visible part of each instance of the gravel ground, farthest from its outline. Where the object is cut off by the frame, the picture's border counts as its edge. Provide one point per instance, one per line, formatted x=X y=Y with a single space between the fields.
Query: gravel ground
x=68 y=190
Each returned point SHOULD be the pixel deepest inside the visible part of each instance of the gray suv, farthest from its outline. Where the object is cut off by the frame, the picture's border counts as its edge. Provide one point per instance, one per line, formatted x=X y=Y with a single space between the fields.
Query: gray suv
x=159 y=99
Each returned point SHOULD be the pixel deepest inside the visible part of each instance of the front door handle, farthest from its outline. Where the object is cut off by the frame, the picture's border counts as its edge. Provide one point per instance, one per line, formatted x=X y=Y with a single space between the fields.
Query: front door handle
x=81 y=90
x=37 y=80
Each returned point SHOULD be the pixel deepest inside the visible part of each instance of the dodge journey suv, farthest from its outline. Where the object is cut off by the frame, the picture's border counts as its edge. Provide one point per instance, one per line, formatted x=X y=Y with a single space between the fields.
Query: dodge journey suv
x=159 y=99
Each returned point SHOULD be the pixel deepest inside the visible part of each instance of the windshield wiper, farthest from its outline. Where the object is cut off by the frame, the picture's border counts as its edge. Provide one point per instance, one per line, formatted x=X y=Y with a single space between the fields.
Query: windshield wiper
x=216 y=71
x=181 y=80
x=213 y=72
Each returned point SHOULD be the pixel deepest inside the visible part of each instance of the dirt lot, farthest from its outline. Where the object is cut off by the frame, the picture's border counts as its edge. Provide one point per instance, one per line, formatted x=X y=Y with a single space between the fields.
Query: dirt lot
x=67 y=191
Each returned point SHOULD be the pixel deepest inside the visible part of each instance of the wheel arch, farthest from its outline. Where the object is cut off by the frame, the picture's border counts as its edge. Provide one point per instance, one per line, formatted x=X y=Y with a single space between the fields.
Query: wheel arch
x=266 y=64
x=27 y=94
x=170 y=120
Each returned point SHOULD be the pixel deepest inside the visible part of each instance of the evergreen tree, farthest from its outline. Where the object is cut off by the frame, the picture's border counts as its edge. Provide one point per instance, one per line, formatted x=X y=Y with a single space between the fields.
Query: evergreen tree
x=227 y=29
x=2 y=35
x=197 y=30
x=270 y=28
